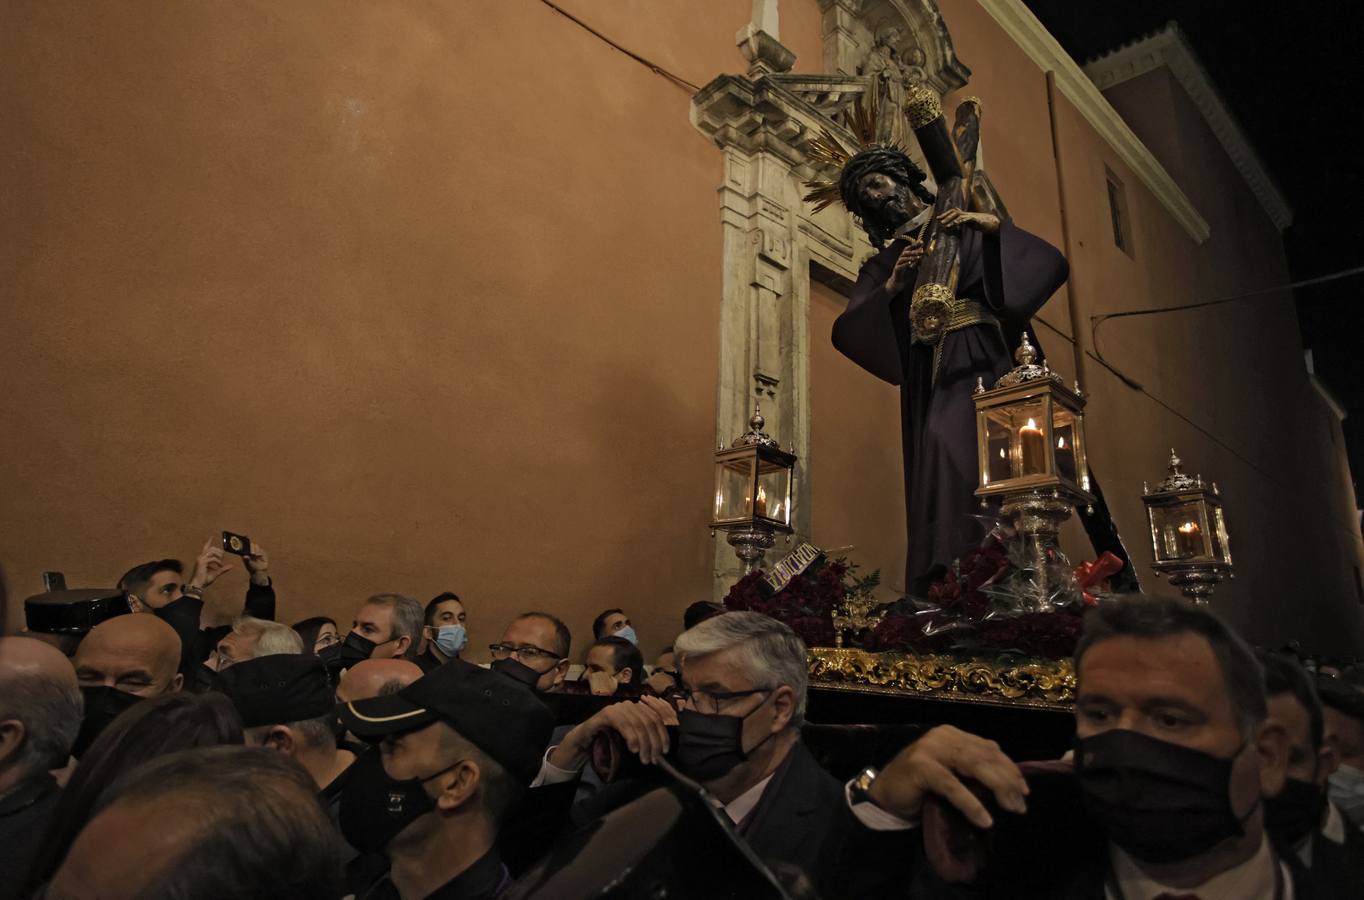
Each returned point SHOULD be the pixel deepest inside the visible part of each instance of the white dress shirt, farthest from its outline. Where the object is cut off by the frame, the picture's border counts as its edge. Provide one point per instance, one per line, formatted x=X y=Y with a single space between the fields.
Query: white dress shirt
x=1251 y=880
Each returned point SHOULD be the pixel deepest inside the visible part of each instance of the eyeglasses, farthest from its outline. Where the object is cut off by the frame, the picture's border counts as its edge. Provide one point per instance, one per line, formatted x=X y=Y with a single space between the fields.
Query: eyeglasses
x=502 y=651
x=711 y=702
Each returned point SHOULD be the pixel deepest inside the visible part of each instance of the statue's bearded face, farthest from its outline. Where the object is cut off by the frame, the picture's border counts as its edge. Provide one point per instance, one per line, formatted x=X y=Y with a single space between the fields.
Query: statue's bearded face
x=886 y=203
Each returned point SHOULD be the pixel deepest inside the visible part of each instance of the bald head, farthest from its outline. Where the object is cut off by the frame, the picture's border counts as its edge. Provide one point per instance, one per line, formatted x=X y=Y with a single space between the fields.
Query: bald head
x=40 y=708
x=374 y=677
x=136 y=654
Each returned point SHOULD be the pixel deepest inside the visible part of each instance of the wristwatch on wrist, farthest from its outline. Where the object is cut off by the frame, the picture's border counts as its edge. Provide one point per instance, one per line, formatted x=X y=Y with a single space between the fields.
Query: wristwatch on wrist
x=861 y=786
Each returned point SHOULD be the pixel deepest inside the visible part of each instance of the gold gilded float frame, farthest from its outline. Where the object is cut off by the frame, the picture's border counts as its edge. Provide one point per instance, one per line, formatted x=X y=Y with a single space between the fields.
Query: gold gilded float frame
x=1027 y=682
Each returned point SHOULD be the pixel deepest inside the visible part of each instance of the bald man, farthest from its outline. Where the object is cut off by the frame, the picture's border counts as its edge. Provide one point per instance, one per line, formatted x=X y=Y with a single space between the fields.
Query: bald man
x=121 y=661
x=376 y=677
x=40 y=713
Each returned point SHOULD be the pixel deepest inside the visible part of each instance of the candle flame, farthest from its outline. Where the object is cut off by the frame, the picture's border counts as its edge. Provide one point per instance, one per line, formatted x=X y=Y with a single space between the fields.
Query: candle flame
x=762 y=494
x=1060 y=443
x=1189 y=528
x=1031 y=426
x=1001 y=453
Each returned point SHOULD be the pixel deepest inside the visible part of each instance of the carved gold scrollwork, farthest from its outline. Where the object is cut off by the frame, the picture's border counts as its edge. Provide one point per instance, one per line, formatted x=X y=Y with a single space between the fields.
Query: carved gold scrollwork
x=1045 y=683
x=922 y=105
x=930 y=309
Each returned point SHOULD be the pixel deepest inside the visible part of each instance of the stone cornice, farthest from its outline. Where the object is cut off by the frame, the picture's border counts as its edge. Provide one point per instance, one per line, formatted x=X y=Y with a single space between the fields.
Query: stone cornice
x=1168 y=47
x=1023 y=27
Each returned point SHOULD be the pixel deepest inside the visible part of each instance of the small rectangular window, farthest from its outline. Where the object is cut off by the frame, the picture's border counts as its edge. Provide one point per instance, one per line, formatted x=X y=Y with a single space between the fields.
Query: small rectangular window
x=1117 y=213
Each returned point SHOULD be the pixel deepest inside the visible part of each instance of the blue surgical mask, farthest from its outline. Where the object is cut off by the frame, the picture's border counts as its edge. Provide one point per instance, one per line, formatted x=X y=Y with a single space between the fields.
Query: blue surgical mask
x=1346 y=790
x=629 y=634
x=451 y=639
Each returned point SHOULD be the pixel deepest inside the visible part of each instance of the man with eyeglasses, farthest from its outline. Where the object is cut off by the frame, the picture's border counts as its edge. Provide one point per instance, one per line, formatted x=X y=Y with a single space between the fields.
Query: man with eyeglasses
x=534 y=651
x=737 y=721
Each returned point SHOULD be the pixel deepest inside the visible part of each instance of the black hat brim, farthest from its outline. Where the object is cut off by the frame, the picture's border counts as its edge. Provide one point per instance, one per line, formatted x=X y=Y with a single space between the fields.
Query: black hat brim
x=377 y=717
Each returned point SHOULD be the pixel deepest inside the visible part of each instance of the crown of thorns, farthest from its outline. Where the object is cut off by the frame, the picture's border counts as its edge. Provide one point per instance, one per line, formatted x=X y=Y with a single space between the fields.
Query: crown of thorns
x=867 y=155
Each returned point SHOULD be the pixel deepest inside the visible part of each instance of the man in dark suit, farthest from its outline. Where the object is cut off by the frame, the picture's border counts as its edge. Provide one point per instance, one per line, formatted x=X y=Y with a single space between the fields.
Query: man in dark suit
x=738 y=735
x=1175 y=752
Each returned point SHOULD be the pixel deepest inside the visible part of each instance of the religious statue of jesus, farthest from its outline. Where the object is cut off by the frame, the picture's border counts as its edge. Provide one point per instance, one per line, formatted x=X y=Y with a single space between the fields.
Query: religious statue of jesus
x=1005 y=276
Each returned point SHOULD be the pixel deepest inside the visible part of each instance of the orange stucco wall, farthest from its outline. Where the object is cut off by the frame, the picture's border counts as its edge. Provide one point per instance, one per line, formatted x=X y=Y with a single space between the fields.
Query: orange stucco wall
x=425 y=297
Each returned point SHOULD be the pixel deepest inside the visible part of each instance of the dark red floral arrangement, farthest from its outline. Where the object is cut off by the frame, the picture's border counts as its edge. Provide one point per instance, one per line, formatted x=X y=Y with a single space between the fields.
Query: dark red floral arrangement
x=967 y=611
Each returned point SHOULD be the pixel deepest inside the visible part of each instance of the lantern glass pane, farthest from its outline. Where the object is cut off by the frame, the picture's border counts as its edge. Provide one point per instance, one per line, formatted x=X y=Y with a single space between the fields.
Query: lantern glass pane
x=774 y=492
x=733 y=490
x=1221 y=549
x=1063 y=439
x=1016 y=438
x=1181 y=531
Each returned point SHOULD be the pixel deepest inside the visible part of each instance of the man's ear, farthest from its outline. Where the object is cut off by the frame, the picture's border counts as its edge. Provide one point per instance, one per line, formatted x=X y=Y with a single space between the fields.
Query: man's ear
x=560 y=671
x=1271 y=746
x=401 y=645
x=625 y=675
x=459 y=786
x=177 y=683
x=783 y=707
x=12 y=734
x=281 y=739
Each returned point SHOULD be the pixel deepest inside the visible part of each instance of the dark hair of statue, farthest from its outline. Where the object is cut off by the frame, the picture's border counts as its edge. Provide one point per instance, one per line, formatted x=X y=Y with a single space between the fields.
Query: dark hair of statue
x=148 y=729
x=888 y=161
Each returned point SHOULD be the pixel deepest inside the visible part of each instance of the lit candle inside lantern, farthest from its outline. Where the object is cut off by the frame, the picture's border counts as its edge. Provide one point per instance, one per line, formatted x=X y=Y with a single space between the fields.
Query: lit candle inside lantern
x=760 y=506
x=1190 y=540
x=1032 y=449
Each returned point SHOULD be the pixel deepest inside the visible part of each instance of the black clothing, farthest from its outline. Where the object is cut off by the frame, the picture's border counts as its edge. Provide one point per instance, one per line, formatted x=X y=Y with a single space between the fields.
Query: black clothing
x=330 y=798
x=1337 y=870
x=802 y=819
x=486 y=879
x=24 y=813
x=428 y=662
x=196 y=642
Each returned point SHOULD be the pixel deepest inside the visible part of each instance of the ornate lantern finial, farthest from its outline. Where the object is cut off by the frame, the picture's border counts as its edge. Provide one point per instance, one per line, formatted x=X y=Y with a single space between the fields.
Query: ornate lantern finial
x=1026 y=354
x=755 y=434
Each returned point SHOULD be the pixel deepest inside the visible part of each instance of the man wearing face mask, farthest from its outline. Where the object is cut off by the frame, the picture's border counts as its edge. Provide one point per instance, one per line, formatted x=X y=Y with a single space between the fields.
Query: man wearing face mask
x=1299 y=818
x=1343 y=707
x=387 y=626
x=738 y=734
x=614 y=623
x=457 y=749
x=159 y=587
x=534 y=651
x=446 y=632
x=1174 y=752
x=121 y=661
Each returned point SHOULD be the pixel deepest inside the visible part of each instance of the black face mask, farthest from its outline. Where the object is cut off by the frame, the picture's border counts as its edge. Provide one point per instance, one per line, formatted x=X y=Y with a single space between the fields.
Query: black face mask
x=1158 y=801
x=1295 y=812
x=709 y=745
x=102 y=706
x=376 y=808
x=355 y=648
x=516 y=671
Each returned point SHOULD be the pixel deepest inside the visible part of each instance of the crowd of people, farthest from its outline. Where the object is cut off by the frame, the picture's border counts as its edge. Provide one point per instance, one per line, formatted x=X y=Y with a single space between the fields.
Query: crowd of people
x=147 y=756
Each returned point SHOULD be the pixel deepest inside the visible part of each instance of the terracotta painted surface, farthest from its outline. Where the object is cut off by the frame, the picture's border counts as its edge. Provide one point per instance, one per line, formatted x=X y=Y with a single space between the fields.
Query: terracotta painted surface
x=855 y=466
x=424 y=297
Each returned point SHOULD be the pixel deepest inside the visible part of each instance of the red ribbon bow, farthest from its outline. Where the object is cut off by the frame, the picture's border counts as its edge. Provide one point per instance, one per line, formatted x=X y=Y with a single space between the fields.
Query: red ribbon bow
x=1095 y=574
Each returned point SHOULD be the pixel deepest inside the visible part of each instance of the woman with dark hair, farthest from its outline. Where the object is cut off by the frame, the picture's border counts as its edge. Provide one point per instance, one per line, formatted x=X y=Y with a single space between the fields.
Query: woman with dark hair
x=318 y=634
x=146 y=730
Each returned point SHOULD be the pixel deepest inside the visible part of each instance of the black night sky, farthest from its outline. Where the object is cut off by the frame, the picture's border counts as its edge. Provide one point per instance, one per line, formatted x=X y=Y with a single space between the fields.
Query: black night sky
x=1291 y=73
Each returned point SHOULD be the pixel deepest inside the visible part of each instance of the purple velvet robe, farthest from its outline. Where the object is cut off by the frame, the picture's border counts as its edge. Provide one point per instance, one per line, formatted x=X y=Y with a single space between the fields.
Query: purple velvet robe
x=1012 y=273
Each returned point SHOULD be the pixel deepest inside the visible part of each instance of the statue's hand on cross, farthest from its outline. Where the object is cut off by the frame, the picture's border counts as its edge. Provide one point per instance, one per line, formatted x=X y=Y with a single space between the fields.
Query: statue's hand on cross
x=986 y=223
x=902 y=276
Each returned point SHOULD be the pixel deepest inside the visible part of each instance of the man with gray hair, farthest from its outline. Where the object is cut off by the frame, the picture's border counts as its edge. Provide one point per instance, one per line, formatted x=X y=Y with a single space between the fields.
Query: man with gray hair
x=386 y=626
x=40 y=714
x=741 y=706
x=252 y=638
